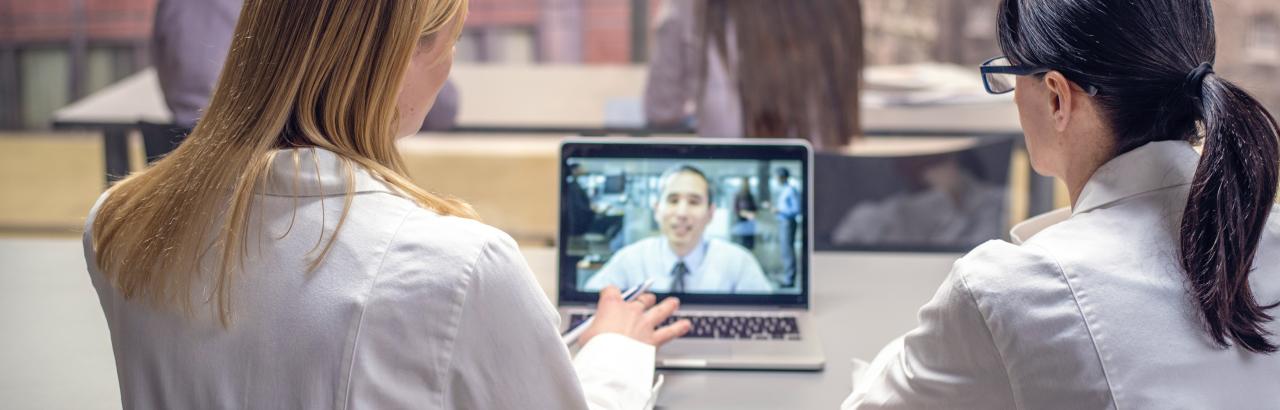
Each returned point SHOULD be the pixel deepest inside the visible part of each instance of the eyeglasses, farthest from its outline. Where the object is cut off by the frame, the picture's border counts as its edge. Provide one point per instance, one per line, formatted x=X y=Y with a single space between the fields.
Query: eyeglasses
x=999 y=75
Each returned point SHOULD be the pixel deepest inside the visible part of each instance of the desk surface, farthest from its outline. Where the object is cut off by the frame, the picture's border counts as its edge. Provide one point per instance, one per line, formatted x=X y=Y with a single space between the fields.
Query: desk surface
x=861 y=301
x=57 y=350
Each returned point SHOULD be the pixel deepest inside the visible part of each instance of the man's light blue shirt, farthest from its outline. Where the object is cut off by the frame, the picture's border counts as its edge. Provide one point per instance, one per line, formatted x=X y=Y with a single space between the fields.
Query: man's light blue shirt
x=715 y=266
x=789 y=202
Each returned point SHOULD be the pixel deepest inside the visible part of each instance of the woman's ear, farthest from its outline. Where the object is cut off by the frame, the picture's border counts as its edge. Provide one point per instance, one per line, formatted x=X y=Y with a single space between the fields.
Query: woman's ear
x=1061 y=99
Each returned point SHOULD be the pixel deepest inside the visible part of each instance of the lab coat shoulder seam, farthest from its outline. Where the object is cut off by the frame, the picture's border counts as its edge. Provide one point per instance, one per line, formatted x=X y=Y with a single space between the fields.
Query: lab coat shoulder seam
x=355 y=342
x=469 y=278
x=1085 y=319
x=964 y=284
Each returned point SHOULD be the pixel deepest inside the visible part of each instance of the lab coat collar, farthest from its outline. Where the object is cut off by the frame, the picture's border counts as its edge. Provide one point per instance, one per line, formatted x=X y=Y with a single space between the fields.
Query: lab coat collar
x=1151 y=167
x=313 y=172
x=1025 y=230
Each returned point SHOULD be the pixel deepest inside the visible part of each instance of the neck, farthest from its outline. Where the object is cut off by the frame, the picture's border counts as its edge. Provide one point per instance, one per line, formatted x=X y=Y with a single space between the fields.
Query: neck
x=1074 y=187
x=1080 y=164
x=684 y=250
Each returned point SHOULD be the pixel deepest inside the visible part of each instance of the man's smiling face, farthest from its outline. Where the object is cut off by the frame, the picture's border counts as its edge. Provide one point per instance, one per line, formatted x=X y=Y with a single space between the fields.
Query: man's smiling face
x=684 y=210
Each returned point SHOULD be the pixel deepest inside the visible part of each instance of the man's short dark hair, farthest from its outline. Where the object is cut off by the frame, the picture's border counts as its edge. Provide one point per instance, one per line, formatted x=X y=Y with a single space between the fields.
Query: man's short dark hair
x=784 y=173
x=683 y=168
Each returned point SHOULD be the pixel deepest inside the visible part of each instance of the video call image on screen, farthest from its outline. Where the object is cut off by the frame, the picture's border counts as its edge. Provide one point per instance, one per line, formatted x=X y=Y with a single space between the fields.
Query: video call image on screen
x=694 y=226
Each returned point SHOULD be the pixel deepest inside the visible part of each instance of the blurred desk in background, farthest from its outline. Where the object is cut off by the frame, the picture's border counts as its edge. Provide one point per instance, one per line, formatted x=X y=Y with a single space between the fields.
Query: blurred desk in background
x=511 y=180
x=565 y=99
x=549 y=97
x=598 y=99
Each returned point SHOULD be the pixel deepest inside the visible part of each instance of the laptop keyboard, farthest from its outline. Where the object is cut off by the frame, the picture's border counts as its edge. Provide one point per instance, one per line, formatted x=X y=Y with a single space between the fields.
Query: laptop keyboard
x=728 y=326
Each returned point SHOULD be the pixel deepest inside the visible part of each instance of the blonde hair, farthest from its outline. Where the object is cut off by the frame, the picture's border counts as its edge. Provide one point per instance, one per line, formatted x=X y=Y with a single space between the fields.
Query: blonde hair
x=301 y=73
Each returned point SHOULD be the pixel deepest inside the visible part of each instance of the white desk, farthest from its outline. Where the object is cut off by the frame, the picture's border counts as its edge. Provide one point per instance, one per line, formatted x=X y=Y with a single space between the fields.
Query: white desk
x=56 y=352
x=861 y=302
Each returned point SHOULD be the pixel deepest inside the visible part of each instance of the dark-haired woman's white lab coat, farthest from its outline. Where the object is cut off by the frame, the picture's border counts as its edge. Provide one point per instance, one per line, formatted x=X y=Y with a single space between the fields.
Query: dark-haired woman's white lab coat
x=1089 y=311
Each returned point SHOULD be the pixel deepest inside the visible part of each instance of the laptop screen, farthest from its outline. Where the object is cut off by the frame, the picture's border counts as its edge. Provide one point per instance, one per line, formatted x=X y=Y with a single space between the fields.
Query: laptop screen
x=712 y=222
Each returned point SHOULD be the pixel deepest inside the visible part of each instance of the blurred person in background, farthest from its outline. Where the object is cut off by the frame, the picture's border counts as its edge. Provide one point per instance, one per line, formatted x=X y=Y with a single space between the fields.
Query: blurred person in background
x=758 y=68
x=743 y=230
x=282 y=258
x=189 y=42
x=787 y=208
x=581 y=212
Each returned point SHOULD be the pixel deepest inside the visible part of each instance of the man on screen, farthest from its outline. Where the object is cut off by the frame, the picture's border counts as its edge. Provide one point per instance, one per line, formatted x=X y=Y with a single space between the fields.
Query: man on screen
x=682 y=259
x=787 y=210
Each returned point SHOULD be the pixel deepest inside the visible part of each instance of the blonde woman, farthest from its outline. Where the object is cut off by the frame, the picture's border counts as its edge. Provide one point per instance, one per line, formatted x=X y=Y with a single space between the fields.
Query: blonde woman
x=280 y=258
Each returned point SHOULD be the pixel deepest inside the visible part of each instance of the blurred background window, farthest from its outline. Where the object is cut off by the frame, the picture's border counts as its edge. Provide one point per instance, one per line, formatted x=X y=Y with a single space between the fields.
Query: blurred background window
x=1263 y=43
x=53 y=52
x=45 y=87
x=501 y=45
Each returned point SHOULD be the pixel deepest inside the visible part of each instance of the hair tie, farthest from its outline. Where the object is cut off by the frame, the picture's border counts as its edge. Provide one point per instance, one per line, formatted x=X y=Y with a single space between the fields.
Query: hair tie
x=1195 y=80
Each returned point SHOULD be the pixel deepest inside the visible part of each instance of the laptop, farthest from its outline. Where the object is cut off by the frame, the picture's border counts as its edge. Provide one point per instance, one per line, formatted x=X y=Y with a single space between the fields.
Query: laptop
x=725 y=225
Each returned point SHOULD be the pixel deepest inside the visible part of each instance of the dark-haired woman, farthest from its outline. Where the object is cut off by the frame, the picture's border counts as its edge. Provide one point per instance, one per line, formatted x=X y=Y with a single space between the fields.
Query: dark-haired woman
x=1157 y=289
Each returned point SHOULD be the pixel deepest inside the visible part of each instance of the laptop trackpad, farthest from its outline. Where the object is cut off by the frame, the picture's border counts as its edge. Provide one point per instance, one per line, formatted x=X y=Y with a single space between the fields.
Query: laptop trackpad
x=695 y=349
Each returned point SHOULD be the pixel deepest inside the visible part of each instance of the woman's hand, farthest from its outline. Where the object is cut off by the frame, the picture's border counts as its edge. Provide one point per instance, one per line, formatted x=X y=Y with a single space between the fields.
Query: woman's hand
x=637 y=319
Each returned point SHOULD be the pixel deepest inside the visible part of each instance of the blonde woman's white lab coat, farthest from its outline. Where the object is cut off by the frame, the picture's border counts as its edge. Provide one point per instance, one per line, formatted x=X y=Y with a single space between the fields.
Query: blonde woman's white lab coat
x=1091 y=311
x=409 y=310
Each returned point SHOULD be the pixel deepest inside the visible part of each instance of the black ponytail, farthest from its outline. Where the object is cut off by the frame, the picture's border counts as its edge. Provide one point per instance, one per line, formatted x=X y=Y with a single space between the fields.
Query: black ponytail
x=1231 y=197
x=1151 y=63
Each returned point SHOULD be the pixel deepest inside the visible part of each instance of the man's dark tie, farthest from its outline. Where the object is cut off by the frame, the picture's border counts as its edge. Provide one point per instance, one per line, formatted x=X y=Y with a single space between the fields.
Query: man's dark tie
x=677 y=277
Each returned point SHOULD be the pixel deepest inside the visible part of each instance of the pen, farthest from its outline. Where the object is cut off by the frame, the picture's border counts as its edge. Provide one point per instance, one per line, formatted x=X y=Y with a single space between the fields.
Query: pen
x=571 y=336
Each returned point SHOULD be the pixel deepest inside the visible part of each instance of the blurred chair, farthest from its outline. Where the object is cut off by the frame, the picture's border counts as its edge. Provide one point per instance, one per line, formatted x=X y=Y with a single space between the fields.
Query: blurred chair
x=160 y=139
x=940 y=201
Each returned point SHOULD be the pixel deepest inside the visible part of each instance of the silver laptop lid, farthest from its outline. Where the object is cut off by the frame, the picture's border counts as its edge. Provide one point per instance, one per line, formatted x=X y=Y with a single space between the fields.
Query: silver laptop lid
x=714 y=221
